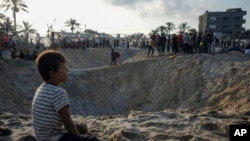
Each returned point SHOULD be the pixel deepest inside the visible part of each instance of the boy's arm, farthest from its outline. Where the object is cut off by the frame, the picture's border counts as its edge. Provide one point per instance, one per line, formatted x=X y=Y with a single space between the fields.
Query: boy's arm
x=67 y=121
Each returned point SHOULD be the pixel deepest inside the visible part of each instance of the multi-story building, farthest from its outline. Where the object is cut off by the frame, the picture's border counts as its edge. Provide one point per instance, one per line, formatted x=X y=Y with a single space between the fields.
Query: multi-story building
x=223 y=22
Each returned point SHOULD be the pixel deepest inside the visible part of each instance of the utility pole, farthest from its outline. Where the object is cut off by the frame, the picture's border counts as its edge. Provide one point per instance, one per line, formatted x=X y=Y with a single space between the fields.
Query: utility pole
x=85 y=27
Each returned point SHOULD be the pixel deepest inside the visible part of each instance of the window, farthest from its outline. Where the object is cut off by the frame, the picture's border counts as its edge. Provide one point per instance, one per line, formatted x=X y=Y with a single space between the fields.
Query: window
x=237 y=26
x=225 y=18
x=213 y=18
x=225 y=26
x=237 y=18
x=212 y=26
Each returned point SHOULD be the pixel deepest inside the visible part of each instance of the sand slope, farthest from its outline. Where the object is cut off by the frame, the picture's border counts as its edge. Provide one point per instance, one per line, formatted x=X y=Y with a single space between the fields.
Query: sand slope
x=190 y=97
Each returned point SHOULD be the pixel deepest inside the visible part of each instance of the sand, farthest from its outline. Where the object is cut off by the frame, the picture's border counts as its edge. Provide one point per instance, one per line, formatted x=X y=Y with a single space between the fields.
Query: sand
x=191 y=97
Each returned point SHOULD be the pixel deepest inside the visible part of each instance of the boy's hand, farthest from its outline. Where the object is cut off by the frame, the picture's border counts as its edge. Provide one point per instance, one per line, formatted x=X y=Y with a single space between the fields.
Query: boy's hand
x=82 y=128
x=67 y=121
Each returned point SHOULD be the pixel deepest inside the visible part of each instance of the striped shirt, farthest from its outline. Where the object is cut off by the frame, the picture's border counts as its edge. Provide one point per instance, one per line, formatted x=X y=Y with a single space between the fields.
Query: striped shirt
x=47 y=102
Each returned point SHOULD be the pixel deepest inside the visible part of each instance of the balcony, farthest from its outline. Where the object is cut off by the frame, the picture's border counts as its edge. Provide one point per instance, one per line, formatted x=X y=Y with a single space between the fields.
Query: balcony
x=241 y=21
x=225 y=19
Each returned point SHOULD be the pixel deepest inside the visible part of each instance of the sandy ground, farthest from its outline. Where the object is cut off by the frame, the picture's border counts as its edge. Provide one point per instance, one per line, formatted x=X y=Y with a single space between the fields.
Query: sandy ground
x=190 y=97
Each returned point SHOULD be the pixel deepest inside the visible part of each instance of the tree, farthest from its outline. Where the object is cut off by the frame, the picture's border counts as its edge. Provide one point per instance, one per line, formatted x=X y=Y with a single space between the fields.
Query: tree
x=183 y=27
x=2 y=16
x=1 y=24
x=139 y=36
x=6 y=25
x=170 y=27
x=161 y=29
x=153 y=32
x=27 y=30
x=16 y=6
x=135 y=37
x=73 y=24
x=38 y=37
x=90 y=31
x=246 y=34
x=192 y=30
x=50 y=28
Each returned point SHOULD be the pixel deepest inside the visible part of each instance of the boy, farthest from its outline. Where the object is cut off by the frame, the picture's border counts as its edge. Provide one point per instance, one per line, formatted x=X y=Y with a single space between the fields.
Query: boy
x=50 y=106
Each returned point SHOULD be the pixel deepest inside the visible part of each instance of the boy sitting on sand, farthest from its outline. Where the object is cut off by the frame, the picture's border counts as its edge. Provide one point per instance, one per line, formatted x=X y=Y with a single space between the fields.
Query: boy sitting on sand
x=50 y=106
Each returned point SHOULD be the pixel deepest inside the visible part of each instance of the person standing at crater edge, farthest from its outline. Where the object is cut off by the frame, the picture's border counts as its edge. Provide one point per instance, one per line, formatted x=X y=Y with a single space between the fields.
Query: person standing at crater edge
x=113 y=57
x=151 y=46
x=5 y=41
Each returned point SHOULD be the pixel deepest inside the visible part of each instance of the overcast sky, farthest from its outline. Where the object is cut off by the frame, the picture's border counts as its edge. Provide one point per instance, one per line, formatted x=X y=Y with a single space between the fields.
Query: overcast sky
x=122 y=16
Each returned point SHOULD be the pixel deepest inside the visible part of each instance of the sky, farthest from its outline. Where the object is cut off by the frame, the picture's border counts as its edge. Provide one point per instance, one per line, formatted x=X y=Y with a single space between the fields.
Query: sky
x=121 y=16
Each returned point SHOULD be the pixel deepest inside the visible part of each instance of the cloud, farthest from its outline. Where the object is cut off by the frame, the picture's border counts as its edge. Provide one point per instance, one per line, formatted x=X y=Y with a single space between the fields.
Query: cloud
x=129 y=4
x=176 y=11
x=121 y=2
x=159 y=8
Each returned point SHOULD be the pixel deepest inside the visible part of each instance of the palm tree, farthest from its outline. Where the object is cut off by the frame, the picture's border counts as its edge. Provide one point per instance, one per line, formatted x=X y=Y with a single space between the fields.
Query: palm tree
x=38 y=37
x=27 y=30
x=2 y=16
x=50 y=29
x=138 y=36
x=15 y=6
x=6 y=25
x=183 y=27
x=73 y=24
x=153 y=32
x=192 y=30
x=90 y=31
x=170 y=27
x=161 y=29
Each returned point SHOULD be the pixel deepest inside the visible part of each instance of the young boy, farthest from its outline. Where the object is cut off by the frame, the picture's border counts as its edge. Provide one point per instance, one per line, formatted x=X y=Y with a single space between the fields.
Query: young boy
x=50 y=106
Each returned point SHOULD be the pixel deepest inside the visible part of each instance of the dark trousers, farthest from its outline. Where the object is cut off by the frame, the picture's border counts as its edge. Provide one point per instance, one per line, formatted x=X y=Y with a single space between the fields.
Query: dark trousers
x=168 y=47
x=190 y=49
x=175 y=49
x=150 y=49
x=73 y=137
x=163 y=49
x=159 y=49
x=185 y=48
x=113 y=61
x=5 y=45
x=205 y=47
x=180 y=47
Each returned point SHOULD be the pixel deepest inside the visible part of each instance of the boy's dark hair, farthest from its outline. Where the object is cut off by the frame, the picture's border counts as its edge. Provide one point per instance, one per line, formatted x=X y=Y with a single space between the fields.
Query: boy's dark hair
x=47 y=61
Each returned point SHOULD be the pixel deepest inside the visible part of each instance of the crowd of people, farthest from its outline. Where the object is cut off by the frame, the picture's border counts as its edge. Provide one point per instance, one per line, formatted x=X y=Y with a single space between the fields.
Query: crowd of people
x=24 y=54
x=188 y=43
x=7 y=44
x=91 y=42
x=184 y=43
x=181 y=43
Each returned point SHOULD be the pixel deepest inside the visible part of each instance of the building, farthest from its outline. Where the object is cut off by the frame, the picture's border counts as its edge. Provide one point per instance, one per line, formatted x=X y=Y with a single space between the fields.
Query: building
x=223 y=22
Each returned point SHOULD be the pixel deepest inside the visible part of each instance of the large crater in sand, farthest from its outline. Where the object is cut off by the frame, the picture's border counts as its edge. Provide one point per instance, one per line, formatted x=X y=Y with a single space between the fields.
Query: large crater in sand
x=200 y=81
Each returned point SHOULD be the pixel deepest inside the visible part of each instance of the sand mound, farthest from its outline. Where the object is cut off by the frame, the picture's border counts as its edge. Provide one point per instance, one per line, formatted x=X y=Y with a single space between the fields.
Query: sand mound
x=92 y=57
x=190 y=97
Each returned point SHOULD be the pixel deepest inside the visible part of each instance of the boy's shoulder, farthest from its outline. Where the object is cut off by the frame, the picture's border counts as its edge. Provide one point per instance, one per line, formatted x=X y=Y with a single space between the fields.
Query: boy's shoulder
x=50 y=87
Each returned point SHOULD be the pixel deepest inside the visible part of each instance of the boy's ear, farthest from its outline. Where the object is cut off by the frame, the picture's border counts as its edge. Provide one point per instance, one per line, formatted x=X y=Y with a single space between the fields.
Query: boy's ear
x=51 y=73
